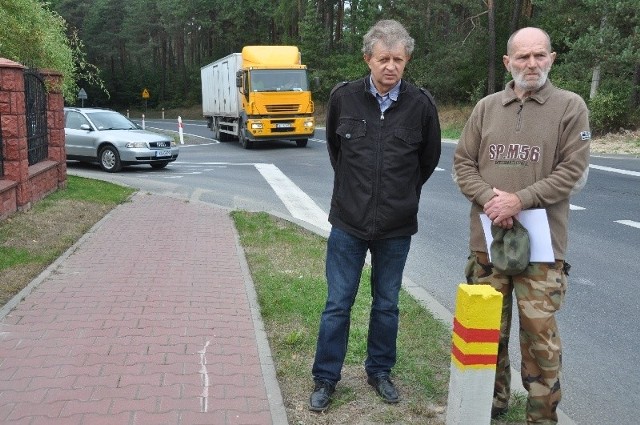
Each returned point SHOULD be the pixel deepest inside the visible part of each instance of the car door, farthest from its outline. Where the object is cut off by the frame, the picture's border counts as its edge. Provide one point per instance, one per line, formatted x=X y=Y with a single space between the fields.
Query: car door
x=80 y=136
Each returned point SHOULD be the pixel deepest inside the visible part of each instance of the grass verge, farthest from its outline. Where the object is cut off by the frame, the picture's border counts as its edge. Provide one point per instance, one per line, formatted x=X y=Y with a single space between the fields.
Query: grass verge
x=287 y=267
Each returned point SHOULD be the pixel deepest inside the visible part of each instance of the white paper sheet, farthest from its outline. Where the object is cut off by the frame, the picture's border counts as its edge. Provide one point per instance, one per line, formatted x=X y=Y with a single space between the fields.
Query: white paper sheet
x=537 y=224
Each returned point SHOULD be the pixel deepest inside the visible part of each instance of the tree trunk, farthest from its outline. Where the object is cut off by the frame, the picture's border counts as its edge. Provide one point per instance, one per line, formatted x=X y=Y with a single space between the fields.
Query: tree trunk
x=595 y=75
x=636 y=87
x=339 y=19
x=595 y=81
x=515 y=16
x=491 y=72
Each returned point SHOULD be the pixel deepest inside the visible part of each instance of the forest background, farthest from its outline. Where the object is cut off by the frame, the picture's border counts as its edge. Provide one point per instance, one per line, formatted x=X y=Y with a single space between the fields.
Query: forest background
x=114 y=49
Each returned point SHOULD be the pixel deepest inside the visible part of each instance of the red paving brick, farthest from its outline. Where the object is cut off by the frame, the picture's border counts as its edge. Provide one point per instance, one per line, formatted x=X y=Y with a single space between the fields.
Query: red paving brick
x=149 y=319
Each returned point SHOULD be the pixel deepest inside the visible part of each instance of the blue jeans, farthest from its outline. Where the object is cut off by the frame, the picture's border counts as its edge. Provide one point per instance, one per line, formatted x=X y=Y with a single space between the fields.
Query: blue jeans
x=345 y=259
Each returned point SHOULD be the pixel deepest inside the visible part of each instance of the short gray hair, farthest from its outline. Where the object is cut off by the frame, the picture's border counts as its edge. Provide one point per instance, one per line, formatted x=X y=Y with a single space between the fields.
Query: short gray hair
x=390 y=33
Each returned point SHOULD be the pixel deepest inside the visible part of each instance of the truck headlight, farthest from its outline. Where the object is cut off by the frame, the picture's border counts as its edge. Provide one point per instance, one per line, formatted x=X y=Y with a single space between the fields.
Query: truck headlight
x=308 y=123
x=256 y=125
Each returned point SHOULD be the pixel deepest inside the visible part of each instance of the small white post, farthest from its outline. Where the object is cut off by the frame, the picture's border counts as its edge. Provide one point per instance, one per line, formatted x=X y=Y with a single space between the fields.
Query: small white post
x=143 y=121
x=474 y=352
x=180 y=130
x=162 y=113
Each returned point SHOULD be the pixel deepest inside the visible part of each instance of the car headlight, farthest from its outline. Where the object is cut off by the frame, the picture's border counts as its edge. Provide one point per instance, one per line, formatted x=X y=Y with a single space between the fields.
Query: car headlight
x=133 y=145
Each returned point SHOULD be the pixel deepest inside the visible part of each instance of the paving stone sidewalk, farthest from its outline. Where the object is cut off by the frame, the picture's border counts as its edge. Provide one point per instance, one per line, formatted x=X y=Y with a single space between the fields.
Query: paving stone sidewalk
x=150 y=318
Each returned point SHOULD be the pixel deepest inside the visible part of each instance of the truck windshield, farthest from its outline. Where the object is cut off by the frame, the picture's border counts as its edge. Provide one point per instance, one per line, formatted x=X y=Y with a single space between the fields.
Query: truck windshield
x=279 y=80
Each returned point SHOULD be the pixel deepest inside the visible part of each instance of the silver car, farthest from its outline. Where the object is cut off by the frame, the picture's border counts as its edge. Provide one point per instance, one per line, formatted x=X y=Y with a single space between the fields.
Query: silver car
x=112 y=140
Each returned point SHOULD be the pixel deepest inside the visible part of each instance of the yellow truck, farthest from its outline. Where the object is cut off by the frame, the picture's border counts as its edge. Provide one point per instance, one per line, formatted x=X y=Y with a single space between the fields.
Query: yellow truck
x=257 y=95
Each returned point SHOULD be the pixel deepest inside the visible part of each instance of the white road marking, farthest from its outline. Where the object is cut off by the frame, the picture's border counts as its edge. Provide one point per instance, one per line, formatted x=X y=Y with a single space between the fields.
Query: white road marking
x=299 y=204
x=629 y=223
x=204 y=376
x=576 y=208
x=615 y=170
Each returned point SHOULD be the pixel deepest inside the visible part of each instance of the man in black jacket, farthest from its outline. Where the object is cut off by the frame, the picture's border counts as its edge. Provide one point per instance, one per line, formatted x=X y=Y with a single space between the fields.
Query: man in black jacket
x=383 y=137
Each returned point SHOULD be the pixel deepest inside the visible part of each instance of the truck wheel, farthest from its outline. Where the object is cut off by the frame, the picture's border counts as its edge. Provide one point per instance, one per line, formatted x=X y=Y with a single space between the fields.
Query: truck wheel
x=302 y=143
x=247 y=144
x=215 y=127
x=219 y=135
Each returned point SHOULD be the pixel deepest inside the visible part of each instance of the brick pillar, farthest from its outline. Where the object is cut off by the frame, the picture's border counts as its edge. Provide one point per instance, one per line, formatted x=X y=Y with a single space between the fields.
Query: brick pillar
x=14 y=127
x=55 y=122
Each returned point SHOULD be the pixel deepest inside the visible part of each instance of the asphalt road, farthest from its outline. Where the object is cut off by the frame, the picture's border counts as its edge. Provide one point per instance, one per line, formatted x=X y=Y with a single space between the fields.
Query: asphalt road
x=598 y=322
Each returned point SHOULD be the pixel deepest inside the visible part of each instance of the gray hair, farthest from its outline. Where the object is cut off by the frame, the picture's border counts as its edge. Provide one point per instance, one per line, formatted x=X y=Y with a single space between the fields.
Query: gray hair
x=390 y=33
x=510 y=41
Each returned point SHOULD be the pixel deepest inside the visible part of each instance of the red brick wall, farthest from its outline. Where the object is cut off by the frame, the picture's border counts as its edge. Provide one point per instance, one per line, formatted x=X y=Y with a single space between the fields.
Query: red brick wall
x=21 y=184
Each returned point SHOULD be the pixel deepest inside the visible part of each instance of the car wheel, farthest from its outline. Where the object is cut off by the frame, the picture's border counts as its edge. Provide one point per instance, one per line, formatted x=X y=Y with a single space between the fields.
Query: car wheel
x=302 y=143
x=159 y=165
x=110 y=159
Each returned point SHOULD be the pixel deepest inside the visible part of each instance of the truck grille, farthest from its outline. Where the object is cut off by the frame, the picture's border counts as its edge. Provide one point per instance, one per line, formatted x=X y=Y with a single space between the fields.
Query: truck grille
x=283 y=108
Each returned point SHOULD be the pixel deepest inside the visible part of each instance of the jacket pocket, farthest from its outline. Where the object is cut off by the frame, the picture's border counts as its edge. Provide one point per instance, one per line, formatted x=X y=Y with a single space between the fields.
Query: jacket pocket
x=351 y=129
x=409 y=136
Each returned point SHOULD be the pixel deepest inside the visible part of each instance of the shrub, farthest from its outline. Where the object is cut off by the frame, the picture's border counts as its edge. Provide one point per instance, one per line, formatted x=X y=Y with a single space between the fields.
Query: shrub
x=608 y=111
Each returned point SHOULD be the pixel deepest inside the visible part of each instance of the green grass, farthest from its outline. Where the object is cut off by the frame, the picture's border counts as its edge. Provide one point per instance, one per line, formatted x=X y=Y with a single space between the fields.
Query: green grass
x=89 y=190
x=452 y=132
x=10 y=257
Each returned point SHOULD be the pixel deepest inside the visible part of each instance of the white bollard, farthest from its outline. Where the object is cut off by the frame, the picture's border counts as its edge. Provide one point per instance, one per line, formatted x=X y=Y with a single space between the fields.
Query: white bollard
x=143 y=121
x=180 y=130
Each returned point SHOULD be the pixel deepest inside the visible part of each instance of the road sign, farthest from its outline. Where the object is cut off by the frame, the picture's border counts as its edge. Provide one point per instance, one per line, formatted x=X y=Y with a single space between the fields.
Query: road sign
x=145 y=94
x=82 y=95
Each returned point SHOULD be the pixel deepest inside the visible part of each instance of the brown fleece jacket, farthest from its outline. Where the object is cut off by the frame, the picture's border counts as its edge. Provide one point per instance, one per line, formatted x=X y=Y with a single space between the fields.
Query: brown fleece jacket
x=537 y=148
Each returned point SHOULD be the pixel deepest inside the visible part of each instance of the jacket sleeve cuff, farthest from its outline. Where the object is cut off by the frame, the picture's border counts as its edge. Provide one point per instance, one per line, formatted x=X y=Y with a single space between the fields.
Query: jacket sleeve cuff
x=485 y=197
x=526 y=198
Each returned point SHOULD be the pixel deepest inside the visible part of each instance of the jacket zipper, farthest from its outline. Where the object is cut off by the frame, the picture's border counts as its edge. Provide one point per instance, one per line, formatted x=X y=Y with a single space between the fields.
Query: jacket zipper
x=519 y=114
x=378 y=177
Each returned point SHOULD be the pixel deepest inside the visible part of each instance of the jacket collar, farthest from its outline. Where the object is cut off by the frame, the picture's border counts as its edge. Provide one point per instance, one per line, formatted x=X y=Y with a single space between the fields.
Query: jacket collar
x=541 y=96
x=367 y=85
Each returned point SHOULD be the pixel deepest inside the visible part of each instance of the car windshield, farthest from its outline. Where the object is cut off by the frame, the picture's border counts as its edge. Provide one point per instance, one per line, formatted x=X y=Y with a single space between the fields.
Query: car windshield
x=107 y=120
x=279 y=80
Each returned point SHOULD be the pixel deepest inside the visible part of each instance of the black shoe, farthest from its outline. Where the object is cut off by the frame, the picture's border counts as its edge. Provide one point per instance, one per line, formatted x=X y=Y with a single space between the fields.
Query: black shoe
x=385 y=388
x=321 y=396
x=498 y=411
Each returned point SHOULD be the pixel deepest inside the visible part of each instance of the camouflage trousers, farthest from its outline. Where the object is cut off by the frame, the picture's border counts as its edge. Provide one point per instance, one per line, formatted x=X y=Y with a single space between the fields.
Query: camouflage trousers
x=539 y=292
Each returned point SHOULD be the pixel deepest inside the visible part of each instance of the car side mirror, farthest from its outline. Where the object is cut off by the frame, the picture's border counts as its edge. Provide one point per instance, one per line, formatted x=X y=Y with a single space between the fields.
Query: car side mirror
x=86 y=127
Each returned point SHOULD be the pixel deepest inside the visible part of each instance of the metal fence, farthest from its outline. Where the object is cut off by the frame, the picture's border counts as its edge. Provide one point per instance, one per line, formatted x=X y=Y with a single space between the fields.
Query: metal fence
x=36 y=114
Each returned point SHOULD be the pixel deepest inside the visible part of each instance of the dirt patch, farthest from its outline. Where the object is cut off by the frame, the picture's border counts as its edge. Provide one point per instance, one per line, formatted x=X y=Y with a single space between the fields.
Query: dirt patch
x=623 y=143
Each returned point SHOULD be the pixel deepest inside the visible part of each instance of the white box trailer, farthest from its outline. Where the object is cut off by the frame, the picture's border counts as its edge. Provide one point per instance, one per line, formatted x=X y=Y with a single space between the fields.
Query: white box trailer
x=219 y=91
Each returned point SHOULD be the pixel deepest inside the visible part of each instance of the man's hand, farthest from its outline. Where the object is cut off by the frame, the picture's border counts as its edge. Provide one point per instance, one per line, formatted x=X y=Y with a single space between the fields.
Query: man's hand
x=502 y=208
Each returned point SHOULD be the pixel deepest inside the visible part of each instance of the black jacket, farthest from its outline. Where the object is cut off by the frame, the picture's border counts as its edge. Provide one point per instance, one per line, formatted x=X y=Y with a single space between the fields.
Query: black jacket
x=380 y=162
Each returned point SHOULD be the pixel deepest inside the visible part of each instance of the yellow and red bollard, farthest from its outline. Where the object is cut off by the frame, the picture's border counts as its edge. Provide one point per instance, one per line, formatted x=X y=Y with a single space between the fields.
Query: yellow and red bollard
x=474 y=351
